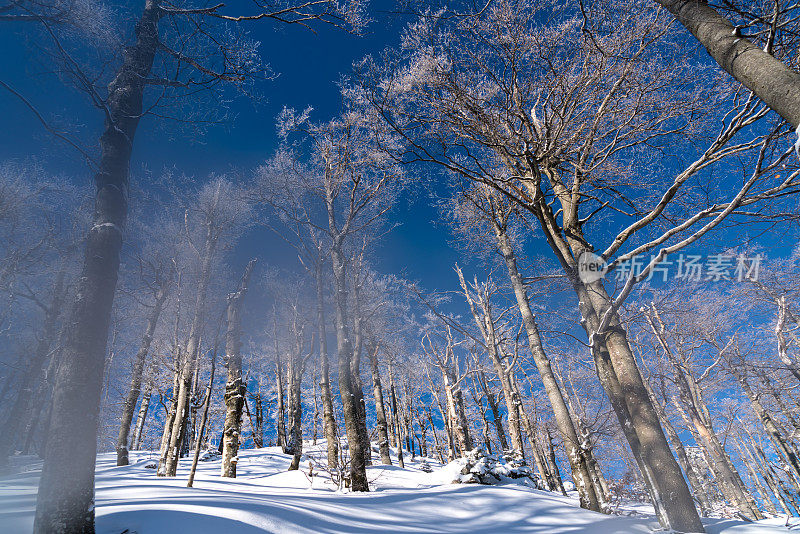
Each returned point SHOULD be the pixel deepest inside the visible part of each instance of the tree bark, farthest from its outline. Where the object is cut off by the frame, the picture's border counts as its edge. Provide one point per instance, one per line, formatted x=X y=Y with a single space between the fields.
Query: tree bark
x=234 y=387
x=380 y=410
x=203 y=420
x=296 y=367
x=777 y=85
x=328 y=418
x=65 y=500
x=624 y=385
x=132 y=398
x=587 y=494
x=347 y=386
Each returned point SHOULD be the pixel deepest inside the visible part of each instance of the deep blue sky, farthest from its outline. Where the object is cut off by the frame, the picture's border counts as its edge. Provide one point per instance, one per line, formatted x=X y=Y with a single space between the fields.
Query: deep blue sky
x=308 y=66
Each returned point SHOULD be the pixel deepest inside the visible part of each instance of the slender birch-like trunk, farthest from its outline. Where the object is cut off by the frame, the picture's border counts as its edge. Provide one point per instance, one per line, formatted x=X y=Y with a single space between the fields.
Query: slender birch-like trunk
x=132 y=398
x=380 y=410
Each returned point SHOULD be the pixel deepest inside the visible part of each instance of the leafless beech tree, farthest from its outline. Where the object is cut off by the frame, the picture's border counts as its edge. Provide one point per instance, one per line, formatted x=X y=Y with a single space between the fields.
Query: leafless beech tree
x=558 y=120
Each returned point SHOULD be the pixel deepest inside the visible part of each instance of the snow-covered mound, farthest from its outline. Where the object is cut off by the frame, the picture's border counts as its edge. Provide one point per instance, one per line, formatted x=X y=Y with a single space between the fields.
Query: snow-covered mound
x=265 y=498
x=478 y=467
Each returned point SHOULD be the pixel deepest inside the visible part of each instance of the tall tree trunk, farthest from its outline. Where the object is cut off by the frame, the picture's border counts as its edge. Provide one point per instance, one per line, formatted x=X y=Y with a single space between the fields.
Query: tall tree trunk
x=295 y=373
x=132 y=398
x=347 y=385
x=234 y=387
x=358 y=383
x=625 y=388
x=380 y=410
x=203 y=420
x=580 y=471
x=189 y=363
x=65 y=501
x=775 y=83
x=328 y=418
x=168 y=420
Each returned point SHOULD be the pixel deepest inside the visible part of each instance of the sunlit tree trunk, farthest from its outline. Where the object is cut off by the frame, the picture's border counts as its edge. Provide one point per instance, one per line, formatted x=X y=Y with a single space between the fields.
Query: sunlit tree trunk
x=234 y=387
x=774 y=82
x=380 y=410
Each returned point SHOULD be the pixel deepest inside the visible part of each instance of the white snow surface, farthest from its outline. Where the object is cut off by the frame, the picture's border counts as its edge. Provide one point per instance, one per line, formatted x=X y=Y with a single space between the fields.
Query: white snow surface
x=265 y=497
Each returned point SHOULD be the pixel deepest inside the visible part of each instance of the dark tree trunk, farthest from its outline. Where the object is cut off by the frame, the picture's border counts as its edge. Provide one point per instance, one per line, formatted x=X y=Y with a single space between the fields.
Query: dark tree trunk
x=65 y=501
x=281 y=423
x=347 y=385
x=203 y=420
x=396 y=418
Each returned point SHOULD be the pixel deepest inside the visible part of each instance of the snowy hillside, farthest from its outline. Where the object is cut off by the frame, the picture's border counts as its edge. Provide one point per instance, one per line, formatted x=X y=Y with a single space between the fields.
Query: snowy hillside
x=267 y=498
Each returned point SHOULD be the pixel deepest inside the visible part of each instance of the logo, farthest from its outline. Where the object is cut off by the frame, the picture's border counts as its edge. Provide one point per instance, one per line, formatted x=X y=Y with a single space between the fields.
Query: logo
x=591 y=267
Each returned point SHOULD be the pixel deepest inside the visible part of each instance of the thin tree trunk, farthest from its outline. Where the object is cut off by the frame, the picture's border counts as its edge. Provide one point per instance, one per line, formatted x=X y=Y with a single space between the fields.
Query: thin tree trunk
x=203 y=420
x=580 y=471
x=625 y=388
x=347 y=385
x=496 y=417
x=380 y=411
x=358 y=383
x=132 y=398
x=328 y=419
x=234 y=387
x=141 y=418
x=396 y=417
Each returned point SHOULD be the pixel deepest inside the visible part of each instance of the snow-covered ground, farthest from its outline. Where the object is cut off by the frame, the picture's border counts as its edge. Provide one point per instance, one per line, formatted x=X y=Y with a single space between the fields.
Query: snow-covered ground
x=267 y=498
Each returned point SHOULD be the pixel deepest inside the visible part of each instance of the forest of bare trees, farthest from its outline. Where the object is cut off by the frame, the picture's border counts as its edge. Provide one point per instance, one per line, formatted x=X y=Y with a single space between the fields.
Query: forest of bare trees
x=619 y=182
